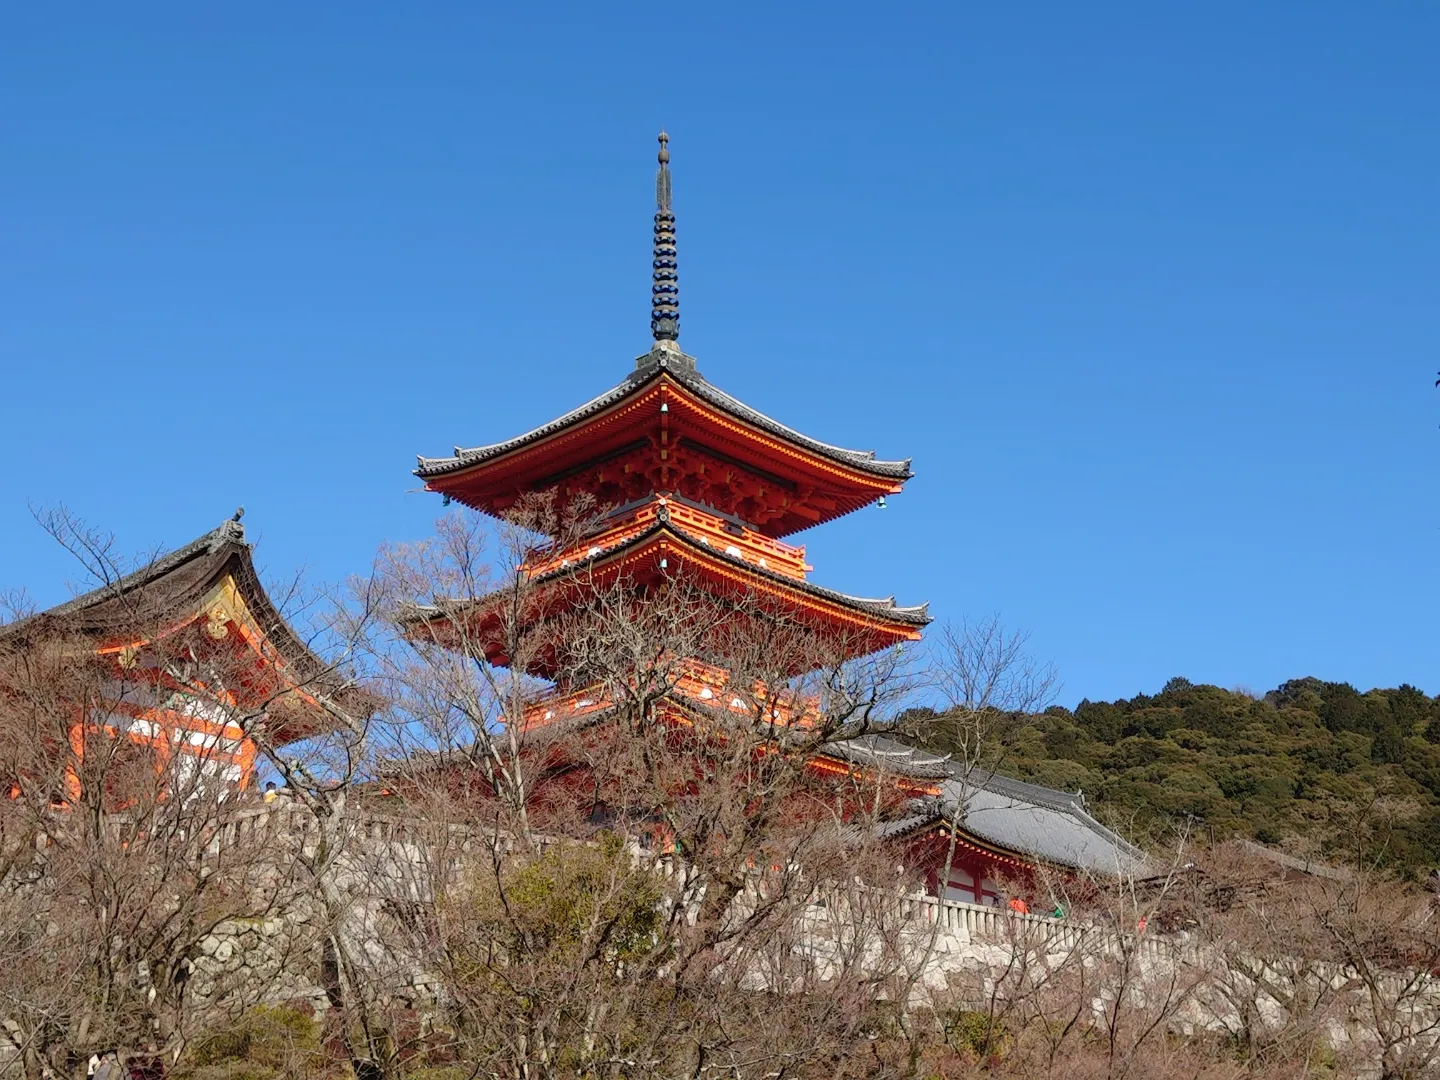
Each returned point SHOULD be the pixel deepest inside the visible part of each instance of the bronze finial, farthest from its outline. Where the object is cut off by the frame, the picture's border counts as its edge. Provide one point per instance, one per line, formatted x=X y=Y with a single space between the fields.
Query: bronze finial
x=665 y=291
x=662 y=175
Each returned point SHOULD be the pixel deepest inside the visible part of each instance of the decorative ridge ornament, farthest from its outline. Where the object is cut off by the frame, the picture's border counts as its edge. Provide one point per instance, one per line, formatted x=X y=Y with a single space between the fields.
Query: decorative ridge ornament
x=665 y=290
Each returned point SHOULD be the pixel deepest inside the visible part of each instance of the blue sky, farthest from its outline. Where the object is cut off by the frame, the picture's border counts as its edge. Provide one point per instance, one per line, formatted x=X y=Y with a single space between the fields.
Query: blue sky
x=1147 y=291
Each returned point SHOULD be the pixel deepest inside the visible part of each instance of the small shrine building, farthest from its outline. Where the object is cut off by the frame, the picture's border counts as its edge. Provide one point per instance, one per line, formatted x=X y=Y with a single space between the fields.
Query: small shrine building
x=188 y=647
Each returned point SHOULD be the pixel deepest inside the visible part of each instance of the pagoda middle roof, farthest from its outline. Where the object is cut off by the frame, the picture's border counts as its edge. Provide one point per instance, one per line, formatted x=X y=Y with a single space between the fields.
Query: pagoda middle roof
x=669 y=363
x=883 y=609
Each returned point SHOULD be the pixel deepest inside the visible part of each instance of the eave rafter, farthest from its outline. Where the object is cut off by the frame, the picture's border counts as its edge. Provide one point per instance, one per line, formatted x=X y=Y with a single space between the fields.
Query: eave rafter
x=664 y=434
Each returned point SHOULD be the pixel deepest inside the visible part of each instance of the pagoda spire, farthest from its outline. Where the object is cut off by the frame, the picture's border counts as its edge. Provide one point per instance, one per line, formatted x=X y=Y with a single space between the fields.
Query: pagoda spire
x=665 y=292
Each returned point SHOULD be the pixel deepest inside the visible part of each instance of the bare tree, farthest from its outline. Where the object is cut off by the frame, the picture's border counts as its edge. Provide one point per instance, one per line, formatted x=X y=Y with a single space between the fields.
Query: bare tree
x=113 y=878
x=134 y=860
x=632 y=871
x=661 y=860
x=1328 y=955
x=989 y=685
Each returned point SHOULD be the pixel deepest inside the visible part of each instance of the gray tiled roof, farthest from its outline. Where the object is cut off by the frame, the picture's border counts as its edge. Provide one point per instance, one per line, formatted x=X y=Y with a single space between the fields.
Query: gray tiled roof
x=228 y=532
x=886 y=754
x=1048 y=829
x=1301 y=866
x=1039 y=822
x=681 y=368
x=1036 y=822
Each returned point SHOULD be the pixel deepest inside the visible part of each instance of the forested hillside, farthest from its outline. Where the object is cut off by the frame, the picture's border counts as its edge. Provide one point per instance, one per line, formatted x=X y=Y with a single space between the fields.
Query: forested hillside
x=1311 y=766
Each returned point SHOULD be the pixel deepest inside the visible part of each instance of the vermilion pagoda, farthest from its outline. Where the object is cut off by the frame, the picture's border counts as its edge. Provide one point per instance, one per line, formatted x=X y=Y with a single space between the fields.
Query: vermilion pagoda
x=698 y=486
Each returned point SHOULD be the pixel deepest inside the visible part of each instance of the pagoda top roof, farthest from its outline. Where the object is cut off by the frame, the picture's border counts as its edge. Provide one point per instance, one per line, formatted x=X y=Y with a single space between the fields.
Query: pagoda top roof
x=667 y=428
x=666 y=359
x=170 y=592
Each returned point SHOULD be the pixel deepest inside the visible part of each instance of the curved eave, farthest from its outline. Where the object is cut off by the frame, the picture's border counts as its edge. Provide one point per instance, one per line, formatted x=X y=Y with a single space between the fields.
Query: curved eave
x=862 y=461
x=879 y=614
x=911 y=618
x=175 y=591
x=996 y=852
x=881 y=753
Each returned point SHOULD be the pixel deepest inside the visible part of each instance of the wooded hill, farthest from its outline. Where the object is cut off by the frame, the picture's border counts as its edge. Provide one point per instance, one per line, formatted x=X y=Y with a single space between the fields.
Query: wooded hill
x=1313 y=767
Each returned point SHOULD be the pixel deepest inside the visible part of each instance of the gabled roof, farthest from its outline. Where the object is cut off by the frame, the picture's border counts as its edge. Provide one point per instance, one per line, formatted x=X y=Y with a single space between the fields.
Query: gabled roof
x=1032 y=821
x=171 y=590
x=160 y=586
x=681 y=368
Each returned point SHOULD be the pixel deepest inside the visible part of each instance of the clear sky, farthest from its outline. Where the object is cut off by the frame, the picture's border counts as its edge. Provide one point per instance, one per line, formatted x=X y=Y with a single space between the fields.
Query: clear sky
x=1148 y=291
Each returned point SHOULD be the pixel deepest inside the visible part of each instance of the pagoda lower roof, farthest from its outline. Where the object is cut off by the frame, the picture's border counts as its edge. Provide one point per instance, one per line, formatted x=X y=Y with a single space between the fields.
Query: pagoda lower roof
x=865 y=623
x=212 y=578
x=808 y=481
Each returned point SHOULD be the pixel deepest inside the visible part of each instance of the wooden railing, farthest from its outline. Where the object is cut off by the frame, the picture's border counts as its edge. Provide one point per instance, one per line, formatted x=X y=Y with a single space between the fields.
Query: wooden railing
x=713 y=531
x=747 y=544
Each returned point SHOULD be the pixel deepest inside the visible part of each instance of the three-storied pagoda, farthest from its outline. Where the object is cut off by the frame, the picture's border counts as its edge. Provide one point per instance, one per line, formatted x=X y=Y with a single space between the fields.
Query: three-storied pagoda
x=695 y=485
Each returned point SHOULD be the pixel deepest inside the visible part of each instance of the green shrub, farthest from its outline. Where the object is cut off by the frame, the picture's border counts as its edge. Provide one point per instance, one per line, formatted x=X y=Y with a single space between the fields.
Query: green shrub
x=978 y=1034
x=268 y=1041
x=558 y=901
x=443 y=1072
x=231 y=1070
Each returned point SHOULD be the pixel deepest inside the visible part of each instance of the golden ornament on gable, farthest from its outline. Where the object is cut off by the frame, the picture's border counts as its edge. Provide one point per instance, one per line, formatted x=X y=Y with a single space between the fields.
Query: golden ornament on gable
x=217 y=625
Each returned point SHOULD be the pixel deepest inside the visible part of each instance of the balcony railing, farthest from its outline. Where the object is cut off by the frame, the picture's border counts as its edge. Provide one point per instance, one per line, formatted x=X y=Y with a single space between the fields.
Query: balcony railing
x=710 y=529
x=739 y=542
